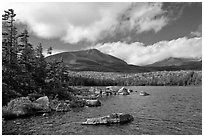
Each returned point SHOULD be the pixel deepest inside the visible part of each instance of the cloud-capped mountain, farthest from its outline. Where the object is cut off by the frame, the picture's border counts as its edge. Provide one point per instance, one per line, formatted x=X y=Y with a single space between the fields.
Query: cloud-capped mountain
x=95 y=60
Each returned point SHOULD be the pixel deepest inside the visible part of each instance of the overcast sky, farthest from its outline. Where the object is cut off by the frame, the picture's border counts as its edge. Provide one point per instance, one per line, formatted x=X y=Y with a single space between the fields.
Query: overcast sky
x=139 y=33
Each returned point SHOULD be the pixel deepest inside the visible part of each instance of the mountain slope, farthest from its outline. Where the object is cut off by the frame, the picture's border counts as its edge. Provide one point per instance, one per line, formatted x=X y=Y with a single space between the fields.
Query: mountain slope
x=174 y=62
x=93 y=59
x=177 y=64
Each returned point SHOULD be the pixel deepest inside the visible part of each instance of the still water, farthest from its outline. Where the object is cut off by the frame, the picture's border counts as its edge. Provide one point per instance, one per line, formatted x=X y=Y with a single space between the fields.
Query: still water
x=167 y=110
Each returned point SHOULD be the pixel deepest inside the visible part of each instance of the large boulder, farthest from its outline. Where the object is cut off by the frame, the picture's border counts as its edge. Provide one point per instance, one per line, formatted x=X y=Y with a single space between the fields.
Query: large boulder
x=44 y=103
x=109 y=119
x=123 y=91
x=20 y=107
x=93 y=103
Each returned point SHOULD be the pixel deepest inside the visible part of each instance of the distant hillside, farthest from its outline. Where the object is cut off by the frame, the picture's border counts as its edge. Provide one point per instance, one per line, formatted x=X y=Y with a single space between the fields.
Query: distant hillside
x=95 y=60
x=177 y=64
x=91 y=60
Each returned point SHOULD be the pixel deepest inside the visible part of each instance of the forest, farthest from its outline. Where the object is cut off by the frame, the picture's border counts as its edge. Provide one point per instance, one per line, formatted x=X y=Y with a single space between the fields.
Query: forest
x=157 y=78
x=25 y=71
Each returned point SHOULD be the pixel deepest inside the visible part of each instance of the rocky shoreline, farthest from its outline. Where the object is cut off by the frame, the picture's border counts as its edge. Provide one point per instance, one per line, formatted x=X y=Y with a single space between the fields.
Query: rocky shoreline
x=38 y=104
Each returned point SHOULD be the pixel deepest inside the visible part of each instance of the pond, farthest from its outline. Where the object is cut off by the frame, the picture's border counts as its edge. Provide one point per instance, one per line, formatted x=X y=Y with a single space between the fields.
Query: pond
x=167 y=111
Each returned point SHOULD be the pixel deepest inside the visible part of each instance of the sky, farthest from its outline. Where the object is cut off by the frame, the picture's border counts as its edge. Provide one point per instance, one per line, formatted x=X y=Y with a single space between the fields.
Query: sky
x=138 y=33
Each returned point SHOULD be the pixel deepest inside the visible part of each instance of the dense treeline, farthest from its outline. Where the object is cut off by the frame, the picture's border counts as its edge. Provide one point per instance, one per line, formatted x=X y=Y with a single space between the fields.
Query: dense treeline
x=159 y=78
x=24 y=69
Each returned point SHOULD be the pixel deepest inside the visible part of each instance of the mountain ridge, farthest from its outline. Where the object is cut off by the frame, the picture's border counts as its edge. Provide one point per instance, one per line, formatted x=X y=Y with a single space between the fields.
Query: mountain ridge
x=172 y=61
x=95 y=60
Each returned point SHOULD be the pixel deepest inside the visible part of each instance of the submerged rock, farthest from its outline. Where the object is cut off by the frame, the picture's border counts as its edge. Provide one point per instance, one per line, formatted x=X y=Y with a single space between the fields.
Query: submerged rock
x=109 y=119
x=93 y=103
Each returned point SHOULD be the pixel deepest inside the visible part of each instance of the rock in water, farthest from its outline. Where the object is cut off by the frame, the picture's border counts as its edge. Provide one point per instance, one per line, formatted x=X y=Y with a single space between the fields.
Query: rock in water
x=93 y=103
x=130 y=90
x=110 y=119
x=92 y=90
x=123 y=91
x=142 y=93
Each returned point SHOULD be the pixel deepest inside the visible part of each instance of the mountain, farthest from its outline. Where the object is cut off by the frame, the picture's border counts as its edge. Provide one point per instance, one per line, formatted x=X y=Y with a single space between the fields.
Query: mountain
x=90 y=60
x=174 y=62
x=177 y=64
x=95 y=60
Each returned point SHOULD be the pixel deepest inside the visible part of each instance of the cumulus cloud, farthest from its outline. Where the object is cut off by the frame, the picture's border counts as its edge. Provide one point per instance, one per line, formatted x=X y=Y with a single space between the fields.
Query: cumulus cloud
x=71 y=22
x=74 y=22
x=139 y=54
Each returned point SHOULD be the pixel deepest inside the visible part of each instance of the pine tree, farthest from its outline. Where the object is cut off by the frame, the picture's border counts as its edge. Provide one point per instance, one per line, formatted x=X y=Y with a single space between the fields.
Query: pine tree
x=40 y=66
x=9 y=48
x=26 y=59
x=26 y=55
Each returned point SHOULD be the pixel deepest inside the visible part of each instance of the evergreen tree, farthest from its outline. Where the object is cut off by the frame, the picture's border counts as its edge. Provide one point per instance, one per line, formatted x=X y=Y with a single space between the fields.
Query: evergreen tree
x=9 y=49
x=40 y=66
x=9 y=39
x=27 y=56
